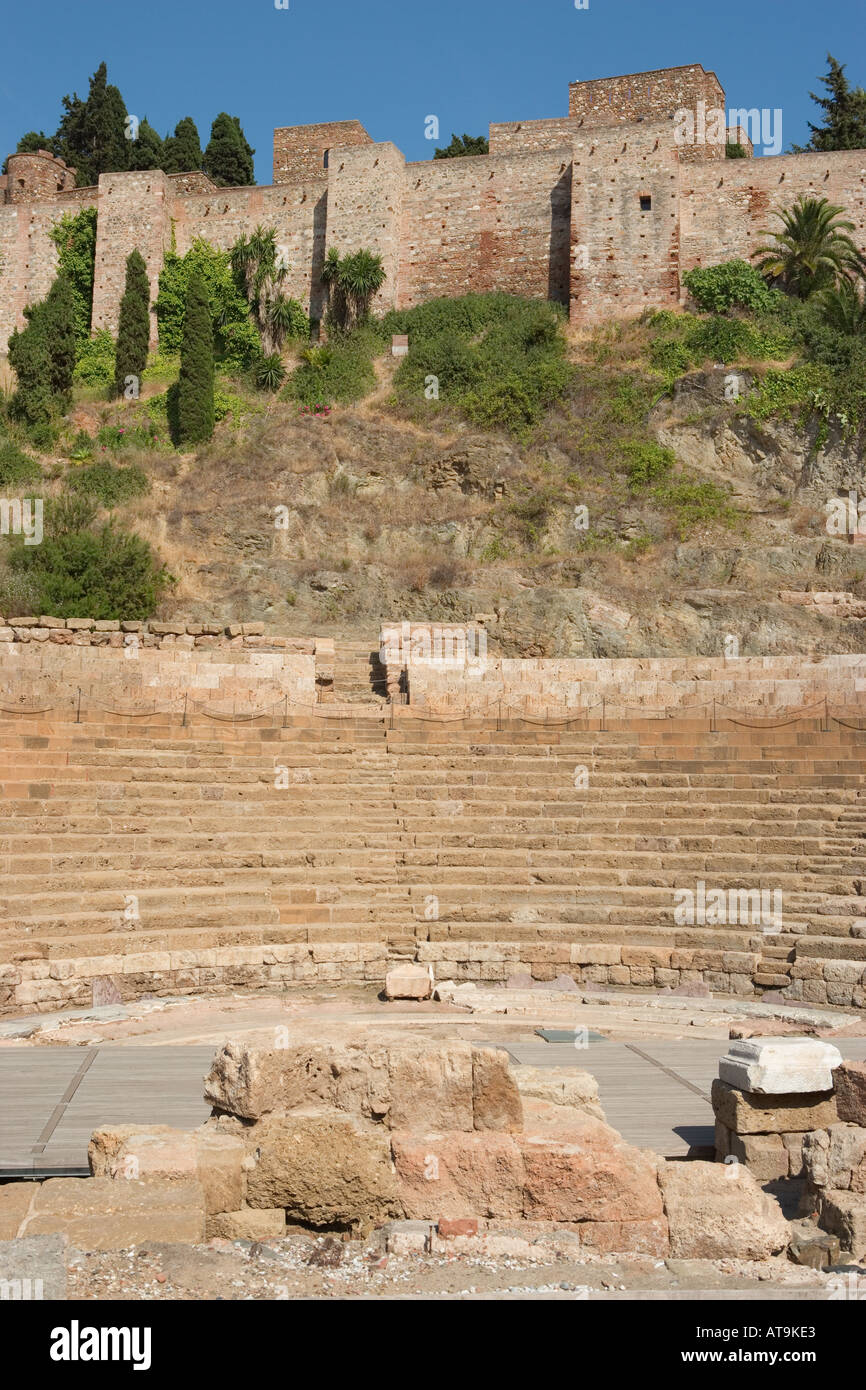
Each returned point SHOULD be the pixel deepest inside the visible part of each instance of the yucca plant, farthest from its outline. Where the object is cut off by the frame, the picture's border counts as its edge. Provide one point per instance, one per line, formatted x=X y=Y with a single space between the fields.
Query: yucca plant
x=269 y=372
x=351 y=281
x=812 y=252
x=256 y=264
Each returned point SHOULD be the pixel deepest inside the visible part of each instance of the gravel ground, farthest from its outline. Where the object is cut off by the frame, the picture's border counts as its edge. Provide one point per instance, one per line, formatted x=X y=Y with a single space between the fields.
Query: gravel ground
x=306 y=1267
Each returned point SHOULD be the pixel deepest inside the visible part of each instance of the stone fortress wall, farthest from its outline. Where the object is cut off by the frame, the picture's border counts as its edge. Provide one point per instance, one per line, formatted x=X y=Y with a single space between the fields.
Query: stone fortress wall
x=601 y=210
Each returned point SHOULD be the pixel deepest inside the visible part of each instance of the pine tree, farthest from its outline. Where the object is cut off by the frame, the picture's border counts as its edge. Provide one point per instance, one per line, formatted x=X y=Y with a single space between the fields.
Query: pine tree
x=147 y=150
x=133 y=331
x=195 y=402
x=182 y=151
x=463 y=145
x=228 y=159
x=844 y=110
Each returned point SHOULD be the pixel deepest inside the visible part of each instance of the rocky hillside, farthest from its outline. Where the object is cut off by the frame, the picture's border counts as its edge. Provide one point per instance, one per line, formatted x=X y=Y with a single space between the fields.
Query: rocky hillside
x=638 y=516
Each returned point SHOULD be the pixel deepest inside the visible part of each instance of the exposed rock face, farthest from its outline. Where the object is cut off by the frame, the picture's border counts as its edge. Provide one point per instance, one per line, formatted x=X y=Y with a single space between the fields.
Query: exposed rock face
x=496 y=1100
x=719 y=1212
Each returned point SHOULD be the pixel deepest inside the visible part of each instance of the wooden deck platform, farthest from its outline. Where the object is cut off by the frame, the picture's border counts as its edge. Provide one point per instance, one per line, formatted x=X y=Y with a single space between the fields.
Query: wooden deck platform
x=656 y=1093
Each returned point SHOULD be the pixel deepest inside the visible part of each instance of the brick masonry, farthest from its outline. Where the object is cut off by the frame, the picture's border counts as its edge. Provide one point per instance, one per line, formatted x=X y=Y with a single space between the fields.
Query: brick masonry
x=601 y=209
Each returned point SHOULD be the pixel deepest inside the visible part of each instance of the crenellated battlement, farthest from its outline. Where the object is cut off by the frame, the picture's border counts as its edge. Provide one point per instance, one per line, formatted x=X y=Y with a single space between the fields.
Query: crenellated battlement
x=602 y=209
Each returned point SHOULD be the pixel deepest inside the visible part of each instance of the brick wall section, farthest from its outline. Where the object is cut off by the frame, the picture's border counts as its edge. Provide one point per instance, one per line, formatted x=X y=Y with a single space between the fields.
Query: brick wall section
x=133 y=213
x=649 y=96
x=365 y=204
x=299 y=151
x=486 y=223
x=625 y=259
x=731 y=205
x=527 y=137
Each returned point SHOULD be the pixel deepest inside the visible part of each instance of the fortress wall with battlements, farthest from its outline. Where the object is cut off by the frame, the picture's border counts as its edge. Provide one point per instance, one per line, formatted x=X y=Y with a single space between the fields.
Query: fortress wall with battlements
x=601 y=209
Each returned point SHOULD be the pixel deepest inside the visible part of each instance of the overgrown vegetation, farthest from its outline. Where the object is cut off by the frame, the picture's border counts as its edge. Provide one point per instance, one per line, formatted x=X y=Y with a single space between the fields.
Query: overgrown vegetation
x=499 y=359
x=237 y=344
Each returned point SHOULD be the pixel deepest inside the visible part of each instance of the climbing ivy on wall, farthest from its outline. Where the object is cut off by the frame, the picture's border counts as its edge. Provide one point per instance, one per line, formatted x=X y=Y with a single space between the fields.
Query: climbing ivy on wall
x=75 y=238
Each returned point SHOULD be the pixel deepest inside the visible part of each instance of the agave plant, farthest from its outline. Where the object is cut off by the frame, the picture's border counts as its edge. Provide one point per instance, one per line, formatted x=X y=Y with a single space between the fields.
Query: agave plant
x=813 y=251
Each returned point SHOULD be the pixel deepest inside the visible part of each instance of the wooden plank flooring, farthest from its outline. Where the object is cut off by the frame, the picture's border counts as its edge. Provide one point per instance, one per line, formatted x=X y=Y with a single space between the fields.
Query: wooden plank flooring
x=51 y=1098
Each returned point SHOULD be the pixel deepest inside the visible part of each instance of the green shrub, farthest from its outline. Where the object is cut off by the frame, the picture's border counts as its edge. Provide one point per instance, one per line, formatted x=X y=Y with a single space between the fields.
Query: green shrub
x=75 y=238
x=17 y=469
x=733 y=284
x=696 y=504
x=111 y=485
x=106 y=574
x=343 y=372
x=195 y=394
x=133 y=329
x=235 y=337
x=143 y=435
x=499 y=358
x=646 y=462
x=95 y=359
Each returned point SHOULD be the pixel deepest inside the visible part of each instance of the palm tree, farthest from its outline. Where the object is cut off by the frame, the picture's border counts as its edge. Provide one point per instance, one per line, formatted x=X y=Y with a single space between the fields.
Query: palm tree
x=844 y=307
x=351 y=282
x=812 y=252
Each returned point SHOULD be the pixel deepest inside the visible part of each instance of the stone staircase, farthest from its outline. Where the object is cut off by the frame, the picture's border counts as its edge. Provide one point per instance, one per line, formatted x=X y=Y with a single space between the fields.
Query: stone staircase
x=217 y=856
x=359 y=677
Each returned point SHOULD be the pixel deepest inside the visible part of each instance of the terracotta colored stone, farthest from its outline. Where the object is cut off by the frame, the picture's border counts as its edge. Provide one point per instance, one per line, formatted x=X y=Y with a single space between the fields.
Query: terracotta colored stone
x=850 y=1083
x=458 y=1174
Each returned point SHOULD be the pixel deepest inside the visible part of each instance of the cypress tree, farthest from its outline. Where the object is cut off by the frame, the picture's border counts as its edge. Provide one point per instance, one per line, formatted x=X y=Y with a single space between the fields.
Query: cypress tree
x=147 y=151
x=228 y=159
x=28 y=354
x=195 y=403
x=133 y=332
x=92 y=134
x=182 y=151
x=57 y=314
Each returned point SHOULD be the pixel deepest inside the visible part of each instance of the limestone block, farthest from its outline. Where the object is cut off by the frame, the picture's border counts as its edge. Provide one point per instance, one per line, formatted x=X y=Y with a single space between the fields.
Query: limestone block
x=458 y=1174
x=250 y=1223
x=753 y=1113
x=561 y=1086
x=409 y=982
x=496 y=1100
x=325 y=1168
x=102 y=1214
x=849 y=1080
x=843 y=1214
x=780 y=1066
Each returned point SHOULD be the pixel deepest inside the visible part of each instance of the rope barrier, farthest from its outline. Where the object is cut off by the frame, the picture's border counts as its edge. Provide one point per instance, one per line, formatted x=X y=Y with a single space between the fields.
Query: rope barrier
x=556 y=715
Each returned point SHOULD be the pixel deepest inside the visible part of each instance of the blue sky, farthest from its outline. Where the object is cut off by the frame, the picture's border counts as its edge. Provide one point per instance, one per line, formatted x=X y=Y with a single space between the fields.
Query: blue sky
x=391 y=63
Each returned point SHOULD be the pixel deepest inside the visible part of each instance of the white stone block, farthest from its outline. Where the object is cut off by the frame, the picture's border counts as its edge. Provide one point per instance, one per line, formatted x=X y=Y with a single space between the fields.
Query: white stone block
x=780 y=1066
